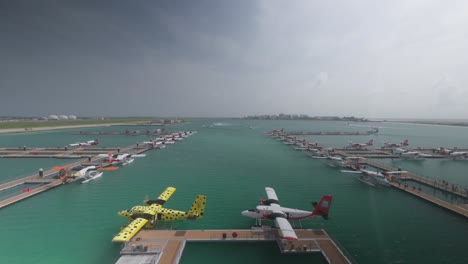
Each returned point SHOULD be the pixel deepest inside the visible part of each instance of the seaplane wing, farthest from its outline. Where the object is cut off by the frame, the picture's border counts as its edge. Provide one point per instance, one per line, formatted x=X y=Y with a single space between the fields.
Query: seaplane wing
x=271 y=194
x=129 y=231
x=137 y=155
x=350 y=171
x=395 y=172
x=163 y=197
x=286 y=228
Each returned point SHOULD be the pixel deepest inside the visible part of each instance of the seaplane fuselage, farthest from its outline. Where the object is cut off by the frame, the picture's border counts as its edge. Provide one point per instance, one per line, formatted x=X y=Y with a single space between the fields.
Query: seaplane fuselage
x=267 y=212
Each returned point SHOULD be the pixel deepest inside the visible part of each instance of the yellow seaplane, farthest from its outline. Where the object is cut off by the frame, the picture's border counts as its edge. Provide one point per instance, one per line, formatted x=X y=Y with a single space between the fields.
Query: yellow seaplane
x=146 y=216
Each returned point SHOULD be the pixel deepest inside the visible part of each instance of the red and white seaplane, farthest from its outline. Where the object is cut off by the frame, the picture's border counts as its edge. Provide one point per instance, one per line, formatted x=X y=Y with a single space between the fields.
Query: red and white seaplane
x=121 y=159
x=360 y=145
x=154 y=143
x=453 y=154
x=87 y=143
x=337 y=161
x=410 y=155
x=271 y=210
x=373 y=178
x=395 y=145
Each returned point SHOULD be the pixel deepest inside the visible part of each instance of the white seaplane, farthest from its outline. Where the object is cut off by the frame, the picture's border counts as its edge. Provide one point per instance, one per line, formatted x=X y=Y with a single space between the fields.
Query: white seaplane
x=86 y=174
x=335 y=161
x=121 y=159
x=360 y=145
x=87 y=143
x=410 y=155
x=373 y=178
x=91 y=175
x=452 y=153
x=395 y=145
x=154 y=143
x=271 y=210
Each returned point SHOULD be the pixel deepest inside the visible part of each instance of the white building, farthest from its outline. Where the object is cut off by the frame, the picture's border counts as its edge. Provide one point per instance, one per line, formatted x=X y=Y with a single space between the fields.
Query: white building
x=53 y=117
x=63 y=117
x=71 y=117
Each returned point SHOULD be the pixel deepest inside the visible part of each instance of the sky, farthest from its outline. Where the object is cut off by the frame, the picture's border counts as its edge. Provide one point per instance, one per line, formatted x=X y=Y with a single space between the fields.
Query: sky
x=364 y=58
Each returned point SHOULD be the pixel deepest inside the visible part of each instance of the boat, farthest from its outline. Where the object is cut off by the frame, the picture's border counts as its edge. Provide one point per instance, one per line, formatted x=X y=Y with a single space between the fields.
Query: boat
x=91 y=175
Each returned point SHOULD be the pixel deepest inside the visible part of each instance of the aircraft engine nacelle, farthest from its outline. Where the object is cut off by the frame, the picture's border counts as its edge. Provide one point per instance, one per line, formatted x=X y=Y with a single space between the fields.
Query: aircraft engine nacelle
x=276 y=214
x=142 y=215
x=157 y=201
x=268 y=202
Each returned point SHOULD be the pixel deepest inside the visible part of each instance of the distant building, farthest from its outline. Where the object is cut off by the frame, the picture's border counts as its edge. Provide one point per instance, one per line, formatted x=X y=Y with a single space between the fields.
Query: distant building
x=53 y=117
x=63 y=117
x=71 y=117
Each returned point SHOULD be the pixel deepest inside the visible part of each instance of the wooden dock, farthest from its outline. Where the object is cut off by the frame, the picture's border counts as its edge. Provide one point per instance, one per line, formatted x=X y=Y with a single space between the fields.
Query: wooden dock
x=60 y=153
x=48 y=182
x=166 y=246
x=329 y=133
x=393 y=179
x=461 y=209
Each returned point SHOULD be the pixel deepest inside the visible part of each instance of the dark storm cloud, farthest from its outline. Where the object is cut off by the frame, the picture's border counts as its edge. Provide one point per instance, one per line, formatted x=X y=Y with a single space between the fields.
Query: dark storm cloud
x=231 y=58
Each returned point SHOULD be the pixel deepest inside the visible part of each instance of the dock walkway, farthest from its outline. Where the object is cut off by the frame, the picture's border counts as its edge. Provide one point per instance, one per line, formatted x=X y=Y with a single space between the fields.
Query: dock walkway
x=461 y=209
x=166 y=246
x=49 y=182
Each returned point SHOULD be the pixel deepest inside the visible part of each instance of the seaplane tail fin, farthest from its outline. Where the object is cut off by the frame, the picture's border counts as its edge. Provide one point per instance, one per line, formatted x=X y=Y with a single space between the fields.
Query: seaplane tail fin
x=198 y=208
x=323 y=206
x=110 y=157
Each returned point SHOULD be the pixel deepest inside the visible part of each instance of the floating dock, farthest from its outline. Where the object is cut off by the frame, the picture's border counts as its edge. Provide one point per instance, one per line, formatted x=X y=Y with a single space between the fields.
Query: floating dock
x=330 y=133
x=47 y=181
x=61 y=153
x=396 y=180
x=166 y=246
x=461 y=209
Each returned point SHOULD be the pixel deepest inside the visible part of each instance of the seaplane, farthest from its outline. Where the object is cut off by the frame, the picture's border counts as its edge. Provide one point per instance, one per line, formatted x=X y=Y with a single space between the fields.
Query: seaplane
x=395 y=145
x=335 y=161
x=271 y=210
x=121 y=159
x=373 y=178
x=360 y=145
x=67 y=176
x=147 y=215
x=154 y=143
x=410 y=155
x=452 y=153
x=90 y=172
x=87 y=143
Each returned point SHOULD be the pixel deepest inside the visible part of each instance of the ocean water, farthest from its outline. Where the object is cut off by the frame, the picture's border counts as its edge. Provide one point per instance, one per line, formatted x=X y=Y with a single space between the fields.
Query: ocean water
x=232 y=164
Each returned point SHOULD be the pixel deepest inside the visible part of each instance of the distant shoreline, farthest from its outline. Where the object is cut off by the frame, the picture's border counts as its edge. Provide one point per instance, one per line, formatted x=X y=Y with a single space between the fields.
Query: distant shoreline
x=438 y=123
x=37 y=129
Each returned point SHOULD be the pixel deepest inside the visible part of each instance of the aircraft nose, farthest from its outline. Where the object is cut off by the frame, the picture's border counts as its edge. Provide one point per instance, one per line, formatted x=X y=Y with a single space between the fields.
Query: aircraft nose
x=248 y=213
x=123 y=213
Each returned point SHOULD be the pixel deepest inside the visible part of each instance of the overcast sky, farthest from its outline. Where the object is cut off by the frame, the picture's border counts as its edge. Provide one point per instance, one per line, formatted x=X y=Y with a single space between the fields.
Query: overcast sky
x=375 y=59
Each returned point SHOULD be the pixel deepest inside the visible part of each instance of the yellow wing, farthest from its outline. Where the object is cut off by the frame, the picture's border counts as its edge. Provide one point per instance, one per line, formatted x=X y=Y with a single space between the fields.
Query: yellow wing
x=129 y=231
x=163 y=197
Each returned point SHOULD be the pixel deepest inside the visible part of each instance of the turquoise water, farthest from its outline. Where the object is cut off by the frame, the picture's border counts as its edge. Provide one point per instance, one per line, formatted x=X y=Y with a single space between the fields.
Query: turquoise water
x=232 y=164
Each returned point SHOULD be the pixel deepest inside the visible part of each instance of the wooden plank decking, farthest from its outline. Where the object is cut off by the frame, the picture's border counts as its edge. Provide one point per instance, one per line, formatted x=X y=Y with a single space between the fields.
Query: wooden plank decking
x=49 y=182
x=167 y=245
